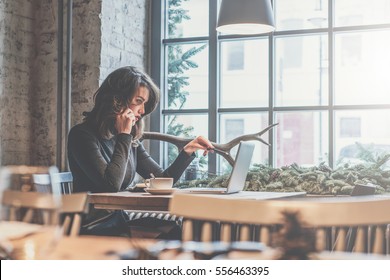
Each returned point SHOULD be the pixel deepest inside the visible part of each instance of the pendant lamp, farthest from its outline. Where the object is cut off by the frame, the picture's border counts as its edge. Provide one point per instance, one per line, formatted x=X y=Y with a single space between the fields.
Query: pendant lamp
x=245 y=17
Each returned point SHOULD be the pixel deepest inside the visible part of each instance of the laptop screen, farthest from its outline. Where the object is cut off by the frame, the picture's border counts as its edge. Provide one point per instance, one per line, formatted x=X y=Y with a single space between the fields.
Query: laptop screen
x=241 y=167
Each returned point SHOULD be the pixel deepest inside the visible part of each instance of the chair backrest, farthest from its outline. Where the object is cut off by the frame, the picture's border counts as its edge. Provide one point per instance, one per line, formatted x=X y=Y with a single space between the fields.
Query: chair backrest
x=65 y=179
x=74 y=206
x=359 y=226
x=42 y=182
x=27 y=206
x=19 y=179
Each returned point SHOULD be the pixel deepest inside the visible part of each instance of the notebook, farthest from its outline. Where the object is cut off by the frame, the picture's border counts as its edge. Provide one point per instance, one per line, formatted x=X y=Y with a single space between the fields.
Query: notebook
x=363 y=189
x=237 y=177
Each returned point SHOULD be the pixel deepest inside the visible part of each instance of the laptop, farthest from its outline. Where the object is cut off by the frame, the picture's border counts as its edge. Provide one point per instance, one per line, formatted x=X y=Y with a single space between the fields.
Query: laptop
x=237 y=177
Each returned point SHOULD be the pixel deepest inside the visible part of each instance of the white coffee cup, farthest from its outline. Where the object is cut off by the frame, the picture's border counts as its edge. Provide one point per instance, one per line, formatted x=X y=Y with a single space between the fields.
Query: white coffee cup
x=159 y=183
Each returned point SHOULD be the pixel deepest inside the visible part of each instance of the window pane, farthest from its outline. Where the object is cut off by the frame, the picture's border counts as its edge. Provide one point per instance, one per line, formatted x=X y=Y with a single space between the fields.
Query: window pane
x=361 y=12
x=188 y=18
x=187 y=126
x=187 y=80
x=244 y=73
x=362 y=61
x=301 y=71
x=359 y=138
x=302 y=138
x=234 y=125
x=302 y=14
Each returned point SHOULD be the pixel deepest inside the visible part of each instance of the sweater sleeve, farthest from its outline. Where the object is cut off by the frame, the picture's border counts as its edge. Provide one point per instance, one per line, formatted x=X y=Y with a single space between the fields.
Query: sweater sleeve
x=106 y=174
x=146 y=165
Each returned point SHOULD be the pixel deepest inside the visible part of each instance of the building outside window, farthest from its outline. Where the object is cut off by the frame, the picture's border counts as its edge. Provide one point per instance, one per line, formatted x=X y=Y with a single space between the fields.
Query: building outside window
x=322 y=76
x=235 y=56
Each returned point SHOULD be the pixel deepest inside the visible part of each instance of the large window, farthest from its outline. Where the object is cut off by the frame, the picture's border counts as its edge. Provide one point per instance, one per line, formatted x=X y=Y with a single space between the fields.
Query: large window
x=323 y=76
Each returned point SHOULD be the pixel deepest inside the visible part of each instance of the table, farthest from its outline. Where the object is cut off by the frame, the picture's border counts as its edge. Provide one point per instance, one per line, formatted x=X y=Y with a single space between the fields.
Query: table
x=86 y=247
x=340 y=198
x=148 y=202
x=130 y=201
x=112 y=248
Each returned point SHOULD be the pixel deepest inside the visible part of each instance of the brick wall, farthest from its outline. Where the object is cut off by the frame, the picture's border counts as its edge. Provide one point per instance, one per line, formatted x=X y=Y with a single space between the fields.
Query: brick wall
x=16 y=57
x=86 y=55
x=44 y=84
x=124 y=35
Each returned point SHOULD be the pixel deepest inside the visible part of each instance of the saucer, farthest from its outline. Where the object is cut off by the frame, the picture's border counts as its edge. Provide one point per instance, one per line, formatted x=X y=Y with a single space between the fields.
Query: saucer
x=160 y=191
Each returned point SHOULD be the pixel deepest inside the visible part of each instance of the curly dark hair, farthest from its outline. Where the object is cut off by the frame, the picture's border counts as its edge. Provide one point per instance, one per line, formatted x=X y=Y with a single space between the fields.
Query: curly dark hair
x=115 y=95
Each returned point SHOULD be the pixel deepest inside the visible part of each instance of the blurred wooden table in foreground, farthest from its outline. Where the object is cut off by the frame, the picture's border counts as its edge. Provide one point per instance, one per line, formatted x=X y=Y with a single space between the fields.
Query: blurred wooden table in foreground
x=115 y=248
x=130 y=201
x=78 y=248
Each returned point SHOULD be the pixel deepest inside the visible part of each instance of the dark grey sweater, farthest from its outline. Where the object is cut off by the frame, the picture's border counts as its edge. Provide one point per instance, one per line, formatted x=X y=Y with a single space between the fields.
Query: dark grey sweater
x=100 y=165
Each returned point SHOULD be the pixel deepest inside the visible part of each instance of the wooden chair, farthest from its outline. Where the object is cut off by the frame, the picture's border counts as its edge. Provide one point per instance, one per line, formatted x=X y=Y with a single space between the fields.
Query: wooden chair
x=73 y=205
x=41 y=208
x=344 y=225
x=42 y=182
x=20 y=178
x=30 y=207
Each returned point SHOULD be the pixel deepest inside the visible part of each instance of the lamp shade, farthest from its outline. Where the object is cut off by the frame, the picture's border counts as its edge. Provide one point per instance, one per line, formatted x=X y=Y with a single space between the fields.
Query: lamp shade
x=245 y=17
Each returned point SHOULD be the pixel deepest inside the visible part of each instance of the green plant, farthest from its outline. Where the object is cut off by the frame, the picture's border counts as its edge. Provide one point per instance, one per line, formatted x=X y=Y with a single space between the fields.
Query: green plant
x=179 y=62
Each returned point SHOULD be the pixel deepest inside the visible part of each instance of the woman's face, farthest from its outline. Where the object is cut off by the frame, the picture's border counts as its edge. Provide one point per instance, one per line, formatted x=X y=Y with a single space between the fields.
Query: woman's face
x=138 y=103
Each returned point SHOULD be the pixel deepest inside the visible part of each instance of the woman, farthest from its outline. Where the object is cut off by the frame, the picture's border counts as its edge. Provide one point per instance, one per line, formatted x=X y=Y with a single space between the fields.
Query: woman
x=104 y=151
